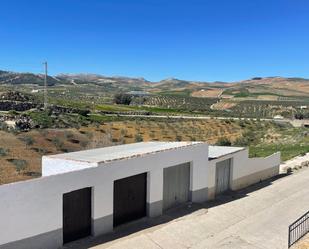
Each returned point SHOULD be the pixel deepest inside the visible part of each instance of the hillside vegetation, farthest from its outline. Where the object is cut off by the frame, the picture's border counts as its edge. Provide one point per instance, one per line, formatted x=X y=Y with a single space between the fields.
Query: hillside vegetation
x=258 y=97
x=21 y=152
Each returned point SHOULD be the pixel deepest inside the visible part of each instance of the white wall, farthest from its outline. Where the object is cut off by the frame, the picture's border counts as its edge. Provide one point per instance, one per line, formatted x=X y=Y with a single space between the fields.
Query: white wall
x=248 y=170
x=246 y=166
x=34 y=207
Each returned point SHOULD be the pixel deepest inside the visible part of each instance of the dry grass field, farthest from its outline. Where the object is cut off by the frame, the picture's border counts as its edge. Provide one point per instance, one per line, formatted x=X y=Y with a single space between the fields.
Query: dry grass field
x=267 y=97
x=210 y=93
x=20 y=153
x=223 y=105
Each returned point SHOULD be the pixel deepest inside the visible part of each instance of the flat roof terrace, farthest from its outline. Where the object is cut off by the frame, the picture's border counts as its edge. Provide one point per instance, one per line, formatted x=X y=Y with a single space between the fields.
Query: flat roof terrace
x=220 y=151
x=126 y=151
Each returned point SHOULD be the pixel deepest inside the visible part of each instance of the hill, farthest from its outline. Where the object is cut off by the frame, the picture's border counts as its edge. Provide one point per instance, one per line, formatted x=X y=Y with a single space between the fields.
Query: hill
x=14 y=78
x=267 y=88
x=274 y=86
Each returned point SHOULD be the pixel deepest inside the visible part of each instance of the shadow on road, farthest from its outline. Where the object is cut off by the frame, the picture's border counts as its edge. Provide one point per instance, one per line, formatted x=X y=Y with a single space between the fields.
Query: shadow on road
x=175 y=213
x=235 y=195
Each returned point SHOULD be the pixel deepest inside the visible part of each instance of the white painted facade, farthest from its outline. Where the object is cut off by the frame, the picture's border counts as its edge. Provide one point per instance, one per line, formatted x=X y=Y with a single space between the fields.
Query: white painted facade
x=245 y=171
x=31 y=211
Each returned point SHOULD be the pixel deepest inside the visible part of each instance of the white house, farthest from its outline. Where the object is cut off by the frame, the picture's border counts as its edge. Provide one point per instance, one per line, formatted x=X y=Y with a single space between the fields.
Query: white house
x=90 y=192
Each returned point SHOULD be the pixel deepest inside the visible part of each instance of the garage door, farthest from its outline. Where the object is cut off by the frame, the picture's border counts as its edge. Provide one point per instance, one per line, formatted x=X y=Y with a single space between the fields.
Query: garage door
x=129 y=198
x=223 y=176
x=176 y=185
x=76 y=214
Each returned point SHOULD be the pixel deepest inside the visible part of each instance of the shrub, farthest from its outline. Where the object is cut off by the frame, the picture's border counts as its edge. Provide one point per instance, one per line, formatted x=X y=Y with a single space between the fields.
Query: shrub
x=289 y=170
x=3 y=152
x=242 y=124
x=42 y=119
x=68 y=135
x=139 y=138
x=223 y=142
x=89 y=134
x=241 y=141
x=122 y=99
x=299 y=116
x=152 y=134
x=44 y=133
x=123 y=132
x=84 y=143
x=74 y=141
x=3 y=126
x=83 y=112
x=58 y=143
x=28 y=140
x=13 y=112
x=19 y=164
x=41 y=151
x=178 y=138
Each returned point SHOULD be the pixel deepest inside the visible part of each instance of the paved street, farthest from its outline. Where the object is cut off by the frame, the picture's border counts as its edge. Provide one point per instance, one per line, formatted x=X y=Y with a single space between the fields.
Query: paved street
x=257 y=217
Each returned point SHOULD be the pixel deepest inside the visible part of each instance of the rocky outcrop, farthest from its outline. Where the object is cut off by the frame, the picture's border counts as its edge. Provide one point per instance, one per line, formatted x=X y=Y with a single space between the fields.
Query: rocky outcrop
x=16 y=96
x=22 y=122
x=7 y=105
x=17 y=101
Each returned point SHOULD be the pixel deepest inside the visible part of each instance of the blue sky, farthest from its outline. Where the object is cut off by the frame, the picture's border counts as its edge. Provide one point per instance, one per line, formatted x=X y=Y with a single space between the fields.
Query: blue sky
x=206 y=40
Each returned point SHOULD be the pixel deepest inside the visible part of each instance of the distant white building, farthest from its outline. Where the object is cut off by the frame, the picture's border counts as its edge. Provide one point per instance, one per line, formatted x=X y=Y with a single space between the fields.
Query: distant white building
x=91 y=192
x=10 y=123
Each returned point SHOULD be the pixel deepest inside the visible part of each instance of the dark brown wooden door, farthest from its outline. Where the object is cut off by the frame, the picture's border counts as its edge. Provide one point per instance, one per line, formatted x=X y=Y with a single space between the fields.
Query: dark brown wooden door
x=76 y=214
x=129 y=198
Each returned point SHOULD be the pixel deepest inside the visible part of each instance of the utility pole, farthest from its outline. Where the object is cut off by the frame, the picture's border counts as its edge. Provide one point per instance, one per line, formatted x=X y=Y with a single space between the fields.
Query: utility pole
x=45 y=86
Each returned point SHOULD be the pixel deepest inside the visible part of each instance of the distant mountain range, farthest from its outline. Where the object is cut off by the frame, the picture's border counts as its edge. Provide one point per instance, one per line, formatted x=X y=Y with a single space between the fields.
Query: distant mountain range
x=269 y=85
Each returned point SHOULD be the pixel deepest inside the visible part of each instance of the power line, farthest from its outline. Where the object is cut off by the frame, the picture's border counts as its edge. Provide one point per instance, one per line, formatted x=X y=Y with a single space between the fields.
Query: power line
x=45 y=86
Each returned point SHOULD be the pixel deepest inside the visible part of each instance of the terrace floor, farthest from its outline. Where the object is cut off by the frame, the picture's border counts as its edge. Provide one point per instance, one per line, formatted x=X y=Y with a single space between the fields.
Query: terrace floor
x=256 y=217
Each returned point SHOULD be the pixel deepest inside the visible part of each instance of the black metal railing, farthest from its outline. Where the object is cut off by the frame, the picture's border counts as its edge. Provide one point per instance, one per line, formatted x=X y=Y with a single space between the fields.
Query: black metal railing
x=298 y=229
